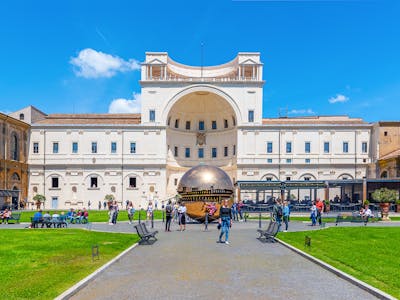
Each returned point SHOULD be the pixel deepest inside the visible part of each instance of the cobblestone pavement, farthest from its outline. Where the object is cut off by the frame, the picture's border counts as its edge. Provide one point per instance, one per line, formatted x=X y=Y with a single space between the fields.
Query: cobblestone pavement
x=191 y=265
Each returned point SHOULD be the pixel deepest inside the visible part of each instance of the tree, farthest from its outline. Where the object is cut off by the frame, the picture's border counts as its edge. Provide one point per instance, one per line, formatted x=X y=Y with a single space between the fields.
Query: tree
x=109 y=198
x=385 y=195
x=38 y=198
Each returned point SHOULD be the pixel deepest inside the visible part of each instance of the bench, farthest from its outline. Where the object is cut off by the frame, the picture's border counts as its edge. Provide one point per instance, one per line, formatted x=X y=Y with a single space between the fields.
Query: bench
x=354 y=218
x=49 y=222
x=14 y=217
x=270 y=233
x=144 y=234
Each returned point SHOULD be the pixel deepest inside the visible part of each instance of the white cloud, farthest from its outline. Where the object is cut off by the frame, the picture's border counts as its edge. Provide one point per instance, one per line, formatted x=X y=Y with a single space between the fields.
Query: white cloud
x=122 y=105
x=338 y=98
x=94 y=64
x=307 y=111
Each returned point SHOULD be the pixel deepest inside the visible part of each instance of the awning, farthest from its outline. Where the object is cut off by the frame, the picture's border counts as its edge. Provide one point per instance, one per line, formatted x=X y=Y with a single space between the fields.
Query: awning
x=9 y=193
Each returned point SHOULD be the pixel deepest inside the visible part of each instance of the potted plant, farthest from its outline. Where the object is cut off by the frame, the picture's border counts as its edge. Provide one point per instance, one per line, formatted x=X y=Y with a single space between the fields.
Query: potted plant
x=109 y=198
x=398 y=206
x=385 y=196
x=38 y=198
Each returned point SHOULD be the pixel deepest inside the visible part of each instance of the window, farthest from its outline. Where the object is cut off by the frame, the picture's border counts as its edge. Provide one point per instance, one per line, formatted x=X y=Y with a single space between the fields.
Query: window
x=35 y=147
x=133 y=147
x=187 y=152
x=326 y=147
x=93 y=182
x=132 y=182
x=152 y=115
x=177 y=123
x=385 y=133
x=55 y=147
x=307 y=178
x=288 y=160
x=187 y=125
x=268 y=179
x=269 y=160
x=169 y=121
x=308 y=160
x=214 y=125
x=225 y=151
x=288 y=178
x=226 y=125
x=74 y=147
x=201 y=153
x=234 y=150
x=288 y=147
x=201 y=125
x=213 y=152
x=14 y=147
x=21 y=117
x=251 y=116
x=113 y=147
x=233 y=121
x=364 y=147
x=345 y=147
x=269 y=147
x=54 y=182
x=307 y=147
x=176 y=151
x=175 y=181
x=94 y=147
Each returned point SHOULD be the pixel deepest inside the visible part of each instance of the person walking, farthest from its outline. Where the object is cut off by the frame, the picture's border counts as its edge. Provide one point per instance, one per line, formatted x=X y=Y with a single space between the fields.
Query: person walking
x=182 y=216
x=313 y=215
x=131 y=211
x=235 y=211
x=286 y=214
x=277 y=212
x=168 y=216
x=225 y=220
x=99 y=205
x=320 y=208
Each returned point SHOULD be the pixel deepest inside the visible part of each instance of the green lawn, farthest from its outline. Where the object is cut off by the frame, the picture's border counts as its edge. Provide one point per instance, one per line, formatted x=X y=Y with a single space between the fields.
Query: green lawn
x=41 y=264
x=370 y=254
x=96 y=215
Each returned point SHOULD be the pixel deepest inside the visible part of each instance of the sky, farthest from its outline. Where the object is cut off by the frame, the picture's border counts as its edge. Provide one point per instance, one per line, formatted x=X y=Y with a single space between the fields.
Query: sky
x=321 y=57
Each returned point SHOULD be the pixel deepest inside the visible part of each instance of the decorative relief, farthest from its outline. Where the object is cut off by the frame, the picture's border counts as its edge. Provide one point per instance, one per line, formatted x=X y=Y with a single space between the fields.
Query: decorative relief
x=201 y=138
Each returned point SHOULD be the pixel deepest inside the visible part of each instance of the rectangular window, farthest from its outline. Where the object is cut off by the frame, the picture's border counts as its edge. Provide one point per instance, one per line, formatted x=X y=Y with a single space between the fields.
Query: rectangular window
x=307 y=178
x=345 y=147
x=54 y=182
x=251 y=116
x=152 y=115
x=187 y=152
x=225 y=151
x=234 y=150
x=269 y=160
x=201 y=153
x=214 y=125
x=201 y=125
x=113 y=147
x=288 y=147
x=269 y=147
x=326 y=147
x=288 y=160
x=364 y=147
x=132 y=182
x=187 y=125
x=213 y=152
x=35 y=147
x=308 y=161
x=133 y=147
x=226 y=123
x=307 y=147
x=176 y=151
x=55 y=147
x=94 y=147
x=93 y=182
x=268 y=179
x=177 y=123
x=288 y=178
x=175 y=181
x=74 y=147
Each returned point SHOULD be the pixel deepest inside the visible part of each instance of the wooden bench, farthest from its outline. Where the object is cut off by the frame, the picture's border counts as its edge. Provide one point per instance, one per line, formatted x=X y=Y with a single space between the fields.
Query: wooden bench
x=270 y=233
x=354 y=218
x=14 y=217
x=144 y=234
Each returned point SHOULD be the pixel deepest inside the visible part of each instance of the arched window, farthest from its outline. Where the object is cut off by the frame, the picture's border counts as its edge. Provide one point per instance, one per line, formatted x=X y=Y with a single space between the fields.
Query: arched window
x=21 y=117
x=14 y=147
x=384 y=174
x=15 y=177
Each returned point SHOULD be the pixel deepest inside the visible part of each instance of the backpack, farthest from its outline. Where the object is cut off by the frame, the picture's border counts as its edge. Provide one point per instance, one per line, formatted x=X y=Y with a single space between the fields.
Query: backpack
x=280 y=211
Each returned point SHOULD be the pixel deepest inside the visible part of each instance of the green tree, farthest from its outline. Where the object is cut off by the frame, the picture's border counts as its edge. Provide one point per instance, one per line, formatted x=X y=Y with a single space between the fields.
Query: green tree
x=385 y=195
x=39 y=199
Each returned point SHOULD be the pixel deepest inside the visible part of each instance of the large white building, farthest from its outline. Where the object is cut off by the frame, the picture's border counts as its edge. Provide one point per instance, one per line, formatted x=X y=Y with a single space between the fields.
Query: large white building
x=189 y=116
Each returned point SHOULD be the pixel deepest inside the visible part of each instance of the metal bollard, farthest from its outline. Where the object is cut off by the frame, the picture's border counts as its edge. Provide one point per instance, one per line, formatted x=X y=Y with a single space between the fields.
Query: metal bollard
x=259 y=219
x=163 y=216
x=152 y=219
x=206 y=222
x=139 y=215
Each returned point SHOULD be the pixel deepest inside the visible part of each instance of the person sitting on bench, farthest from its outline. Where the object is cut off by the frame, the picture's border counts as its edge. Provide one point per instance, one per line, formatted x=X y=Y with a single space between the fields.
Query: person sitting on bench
x=366 y=213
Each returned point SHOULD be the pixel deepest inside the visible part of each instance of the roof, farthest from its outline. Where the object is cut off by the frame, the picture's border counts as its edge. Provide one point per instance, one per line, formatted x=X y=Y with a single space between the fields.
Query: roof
x=394 y=154
x=65 y=119
x=313 y=120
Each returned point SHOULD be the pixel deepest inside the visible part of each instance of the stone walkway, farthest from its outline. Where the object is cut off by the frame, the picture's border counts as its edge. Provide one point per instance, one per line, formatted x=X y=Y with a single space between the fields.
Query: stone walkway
x=191 y=265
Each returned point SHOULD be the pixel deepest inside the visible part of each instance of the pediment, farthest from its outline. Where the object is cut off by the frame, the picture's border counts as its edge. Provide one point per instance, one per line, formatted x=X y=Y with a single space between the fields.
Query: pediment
x=155 y=61
x=248 y=62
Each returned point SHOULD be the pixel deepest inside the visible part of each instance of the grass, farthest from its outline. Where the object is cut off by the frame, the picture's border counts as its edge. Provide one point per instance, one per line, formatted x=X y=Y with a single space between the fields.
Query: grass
x=370 y=254
x=41 y=264
x=96 y=215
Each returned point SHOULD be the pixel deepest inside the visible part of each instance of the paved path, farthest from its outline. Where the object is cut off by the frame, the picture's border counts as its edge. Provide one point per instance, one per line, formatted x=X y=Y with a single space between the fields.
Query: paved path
x=191 y=265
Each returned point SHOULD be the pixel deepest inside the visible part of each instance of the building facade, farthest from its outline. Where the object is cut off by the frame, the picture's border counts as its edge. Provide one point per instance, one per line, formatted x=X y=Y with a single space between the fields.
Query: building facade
x=189 y=116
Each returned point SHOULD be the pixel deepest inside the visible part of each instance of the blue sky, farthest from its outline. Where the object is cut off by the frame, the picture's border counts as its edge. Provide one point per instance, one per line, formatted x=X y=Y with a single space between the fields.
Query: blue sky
x=320 y=57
